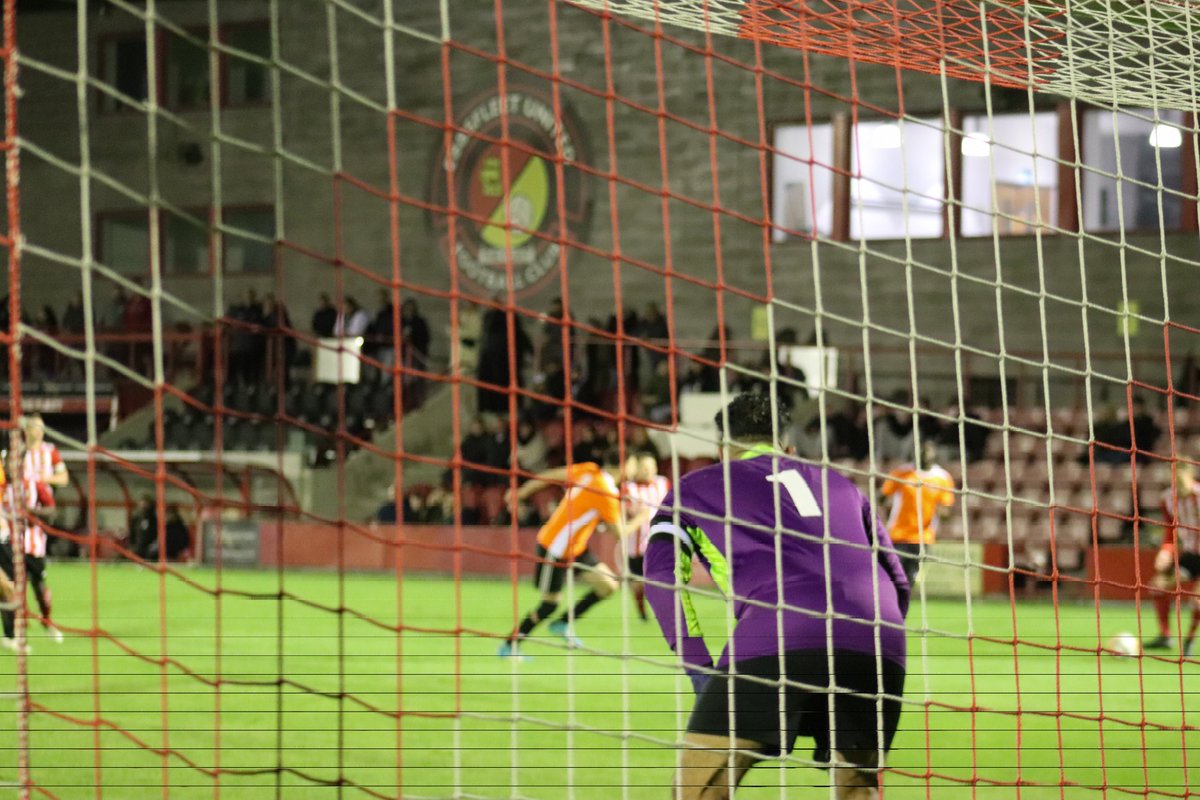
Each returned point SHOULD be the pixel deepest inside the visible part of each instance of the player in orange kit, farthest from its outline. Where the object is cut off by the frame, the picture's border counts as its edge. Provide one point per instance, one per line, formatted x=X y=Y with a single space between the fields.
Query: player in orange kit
x=591 y=498
x=919 y=493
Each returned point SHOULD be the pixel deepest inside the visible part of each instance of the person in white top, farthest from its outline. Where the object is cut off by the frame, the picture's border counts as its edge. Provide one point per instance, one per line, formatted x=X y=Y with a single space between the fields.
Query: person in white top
x=642 y=489
x=36 y=506
x=42 y=466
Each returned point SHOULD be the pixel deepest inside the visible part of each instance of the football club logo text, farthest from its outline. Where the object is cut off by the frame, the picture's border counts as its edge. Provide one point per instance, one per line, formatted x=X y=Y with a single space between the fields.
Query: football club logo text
x=507 y=190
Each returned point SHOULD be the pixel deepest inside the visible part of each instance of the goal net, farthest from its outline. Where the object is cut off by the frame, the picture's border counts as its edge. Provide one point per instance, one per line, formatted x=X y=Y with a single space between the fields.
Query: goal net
x=304 y=296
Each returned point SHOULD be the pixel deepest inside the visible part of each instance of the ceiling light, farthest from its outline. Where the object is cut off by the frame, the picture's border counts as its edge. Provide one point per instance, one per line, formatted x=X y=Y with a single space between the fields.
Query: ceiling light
x=1165 y=136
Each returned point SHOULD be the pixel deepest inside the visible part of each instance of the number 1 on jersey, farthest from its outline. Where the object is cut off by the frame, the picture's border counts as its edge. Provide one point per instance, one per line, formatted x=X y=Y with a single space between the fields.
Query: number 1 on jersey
x=799 y=490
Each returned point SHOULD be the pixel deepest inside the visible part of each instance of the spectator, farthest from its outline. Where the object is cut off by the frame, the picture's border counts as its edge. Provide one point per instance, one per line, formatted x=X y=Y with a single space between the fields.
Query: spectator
x=531 y=447
x=1145 y=429
x=41 y=357
x=551 y=371
x=847 y=429
x=637 y=439
x=656 y=393
x=415 y=510
x=464 y=356
x=499 y=445
x=247 y=344
x=143 y=526
x=175 y=534
x=380 y=330
x=498 y=364
x=138 y=319
x=414 y=337
x=589 y=447
x=439 y=507
x=72 y=317
x=325 y=317
x=477 y=449
x=1112 y=437
x=654 y=330
x=631 y=327
x=113 y=318
x=974 y=435
x=46 y=320
x=928 y=423
x=386 y=513
x=893 y=431
x=283 y=345
x=352 y=321
x=707 y=377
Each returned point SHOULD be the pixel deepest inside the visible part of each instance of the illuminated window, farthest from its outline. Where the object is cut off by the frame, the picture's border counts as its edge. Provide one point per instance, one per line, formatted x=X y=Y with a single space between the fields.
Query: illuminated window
x=1127 y=196
x=1009 y=175
x=803 y=188
x=899 y=179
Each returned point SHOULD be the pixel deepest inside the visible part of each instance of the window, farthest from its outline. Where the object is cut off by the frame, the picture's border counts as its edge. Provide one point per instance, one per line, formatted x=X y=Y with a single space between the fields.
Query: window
x=898 y=179
x=1150 y=153
x=803 y=190
x=123 y=67
x=124 y=241
x=1006 y=188
x=249 y=240
x=186 y=79
x=187 y=82
x=248 y=82
x=185 y=246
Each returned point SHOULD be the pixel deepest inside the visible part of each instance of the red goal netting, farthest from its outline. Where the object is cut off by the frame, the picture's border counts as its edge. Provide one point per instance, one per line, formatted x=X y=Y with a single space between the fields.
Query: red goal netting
x=303 y=296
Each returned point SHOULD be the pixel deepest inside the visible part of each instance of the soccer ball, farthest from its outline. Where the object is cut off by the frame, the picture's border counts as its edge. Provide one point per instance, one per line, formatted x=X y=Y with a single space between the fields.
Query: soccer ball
x=1124 y=644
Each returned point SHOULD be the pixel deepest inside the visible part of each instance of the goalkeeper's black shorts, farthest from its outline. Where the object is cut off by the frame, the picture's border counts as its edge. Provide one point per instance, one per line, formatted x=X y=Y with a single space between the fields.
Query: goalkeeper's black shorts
x=863 y=719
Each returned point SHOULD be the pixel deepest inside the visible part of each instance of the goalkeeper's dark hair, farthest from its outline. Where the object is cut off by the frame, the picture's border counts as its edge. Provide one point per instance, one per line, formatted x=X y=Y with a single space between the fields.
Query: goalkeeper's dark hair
x=752 y=417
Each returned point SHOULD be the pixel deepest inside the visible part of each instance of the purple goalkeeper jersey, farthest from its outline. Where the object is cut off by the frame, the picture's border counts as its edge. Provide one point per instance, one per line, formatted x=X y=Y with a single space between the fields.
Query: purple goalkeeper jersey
x=860 y=595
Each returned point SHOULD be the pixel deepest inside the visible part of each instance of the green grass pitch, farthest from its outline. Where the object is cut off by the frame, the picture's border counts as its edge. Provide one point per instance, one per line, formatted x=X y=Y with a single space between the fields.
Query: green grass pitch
x=582 y=725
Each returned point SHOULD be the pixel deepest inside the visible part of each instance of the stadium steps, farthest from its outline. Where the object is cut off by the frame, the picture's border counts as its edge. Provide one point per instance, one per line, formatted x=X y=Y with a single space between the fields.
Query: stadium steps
x=427 y=431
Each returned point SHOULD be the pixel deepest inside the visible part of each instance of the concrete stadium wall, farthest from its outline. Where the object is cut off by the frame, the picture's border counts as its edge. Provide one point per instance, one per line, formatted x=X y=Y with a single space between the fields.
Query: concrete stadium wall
x=1041 y=279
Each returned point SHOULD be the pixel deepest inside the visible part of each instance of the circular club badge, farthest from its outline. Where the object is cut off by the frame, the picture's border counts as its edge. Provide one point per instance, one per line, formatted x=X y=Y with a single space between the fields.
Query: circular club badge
x=506 y=190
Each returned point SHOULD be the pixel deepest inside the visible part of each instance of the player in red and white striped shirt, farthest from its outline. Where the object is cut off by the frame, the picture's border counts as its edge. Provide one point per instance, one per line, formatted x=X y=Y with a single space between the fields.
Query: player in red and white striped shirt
x=43 y=465
x=36 y=505
x=643 y=488
x=1177 y=565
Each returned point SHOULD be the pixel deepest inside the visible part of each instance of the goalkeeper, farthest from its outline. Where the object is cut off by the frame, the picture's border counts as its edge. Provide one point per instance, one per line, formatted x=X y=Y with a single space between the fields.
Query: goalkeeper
x=820 y=571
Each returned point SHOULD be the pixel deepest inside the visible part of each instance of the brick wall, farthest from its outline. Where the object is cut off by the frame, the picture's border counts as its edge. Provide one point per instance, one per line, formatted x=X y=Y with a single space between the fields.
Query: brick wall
x=853 y=284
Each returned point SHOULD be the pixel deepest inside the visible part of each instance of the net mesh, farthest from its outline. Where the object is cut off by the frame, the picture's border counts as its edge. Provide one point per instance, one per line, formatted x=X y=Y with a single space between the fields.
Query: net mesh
x=331 y=281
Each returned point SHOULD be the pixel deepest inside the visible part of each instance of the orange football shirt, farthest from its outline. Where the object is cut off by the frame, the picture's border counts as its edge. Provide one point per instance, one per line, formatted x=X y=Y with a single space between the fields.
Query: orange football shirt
x=592 y=497
x=916 y=495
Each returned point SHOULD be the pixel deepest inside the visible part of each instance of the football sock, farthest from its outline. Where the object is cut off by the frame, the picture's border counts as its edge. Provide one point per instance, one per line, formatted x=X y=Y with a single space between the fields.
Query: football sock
x=581 y=607
x=41 y=590
x=1195 y=624
x=9 y=619
x=532 y=620
x=639 y=599
x=1162 y=609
